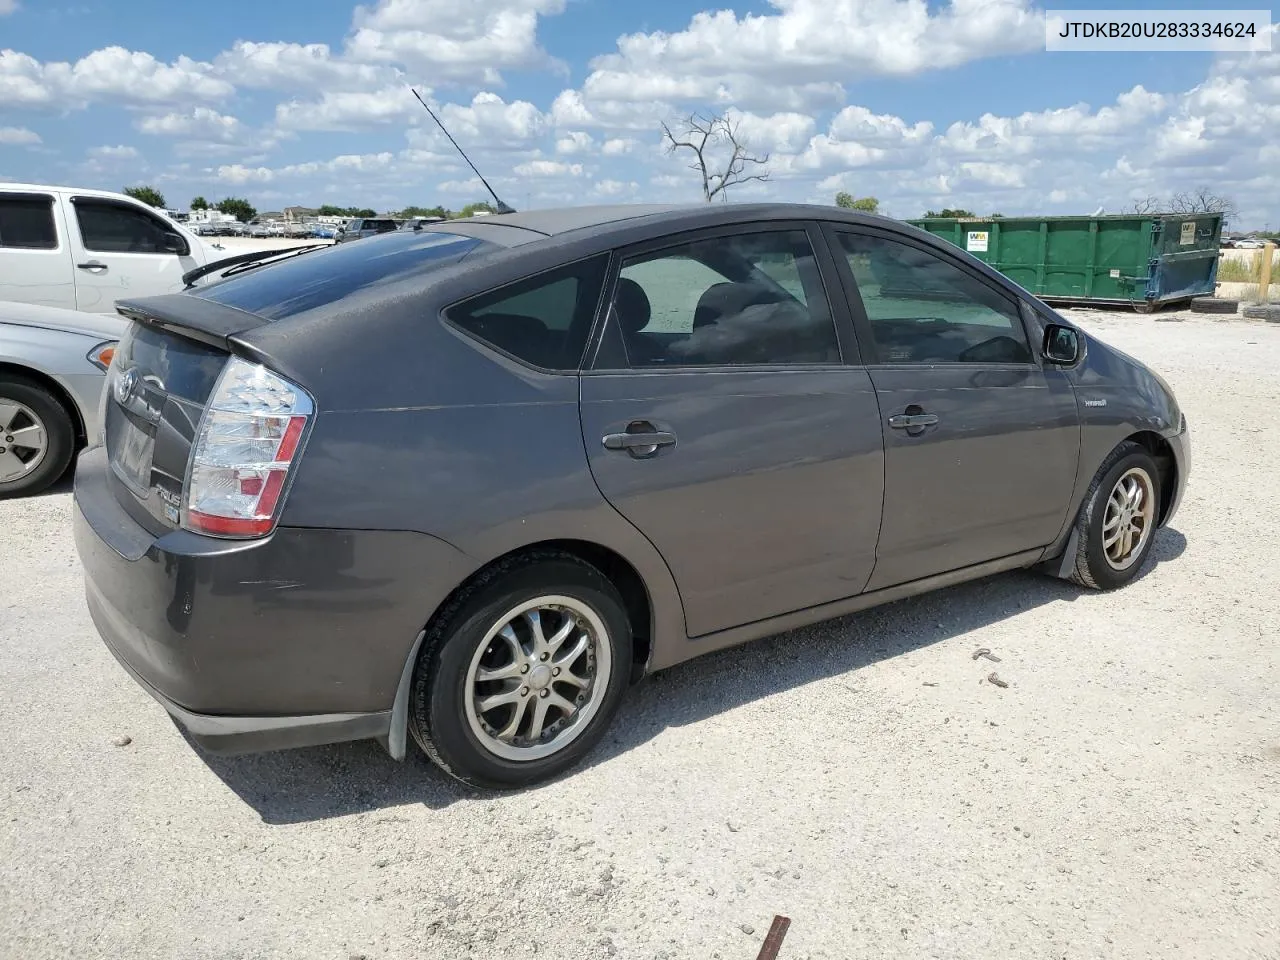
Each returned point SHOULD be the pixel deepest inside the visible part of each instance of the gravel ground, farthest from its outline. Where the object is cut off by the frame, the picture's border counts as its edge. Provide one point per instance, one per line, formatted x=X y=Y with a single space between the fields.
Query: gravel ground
x=1118 y=799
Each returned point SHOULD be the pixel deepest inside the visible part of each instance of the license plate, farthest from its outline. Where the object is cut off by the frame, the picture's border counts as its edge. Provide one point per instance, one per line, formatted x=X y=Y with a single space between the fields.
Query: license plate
x=133 y=455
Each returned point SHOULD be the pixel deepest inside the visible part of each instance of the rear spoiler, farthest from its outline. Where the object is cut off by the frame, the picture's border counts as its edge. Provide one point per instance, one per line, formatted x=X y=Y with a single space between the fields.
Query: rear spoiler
x=193 y=317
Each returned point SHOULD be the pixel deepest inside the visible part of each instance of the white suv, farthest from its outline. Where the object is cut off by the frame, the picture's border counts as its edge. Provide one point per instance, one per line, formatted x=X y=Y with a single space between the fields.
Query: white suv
x=84 y=249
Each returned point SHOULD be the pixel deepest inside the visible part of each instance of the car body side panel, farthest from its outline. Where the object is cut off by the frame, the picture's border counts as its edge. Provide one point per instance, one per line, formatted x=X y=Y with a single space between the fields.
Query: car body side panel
x=60 y=356
x=1118 y=397
x=466 y=445
x=770 y=499
x=992 y=478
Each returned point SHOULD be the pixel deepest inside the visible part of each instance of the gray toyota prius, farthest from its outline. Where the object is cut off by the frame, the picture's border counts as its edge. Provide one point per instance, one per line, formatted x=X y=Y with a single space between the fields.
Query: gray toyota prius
x=467 y=483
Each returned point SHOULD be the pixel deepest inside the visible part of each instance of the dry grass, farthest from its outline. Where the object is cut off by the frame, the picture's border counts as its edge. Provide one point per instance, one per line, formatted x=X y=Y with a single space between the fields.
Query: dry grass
x=1238 y=270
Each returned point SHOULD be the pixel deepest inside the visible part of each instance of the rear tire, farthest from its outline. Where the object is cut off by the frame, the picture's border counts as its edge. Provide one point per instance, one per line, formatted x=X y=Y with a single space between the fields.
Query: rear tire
x=37 y=437
x=521 y=674
x=1117 y=523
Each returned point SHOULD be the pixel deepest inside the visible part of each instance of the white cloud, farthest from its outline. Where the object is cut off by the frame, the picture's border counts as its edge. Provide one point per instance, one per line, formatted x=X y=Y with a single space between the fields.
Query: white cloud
x=239 y=174
x=574 y=142
x=7 y=7
x=617 y=146
x=19 y=136
x=285 y=66
x=201 y=124
x=448 y=40
x=348 y=110
x=548 y=168
x=614 y=188
x=791 y=58
x=112 y=74
x=113 y=153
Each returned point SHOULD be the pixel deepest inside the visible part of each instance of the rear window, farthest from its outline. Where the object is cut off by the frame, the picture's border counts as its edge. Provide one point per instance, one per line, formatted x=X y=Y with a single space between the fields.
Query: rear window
x=313 y=280
x=26 y=222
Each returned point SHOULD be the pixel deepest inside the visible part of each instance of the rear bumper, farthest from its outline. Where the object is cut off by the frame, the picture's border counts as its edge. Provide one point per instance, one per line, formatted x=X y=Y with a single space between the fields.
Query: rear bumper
x=300 y=638
x=230 y=735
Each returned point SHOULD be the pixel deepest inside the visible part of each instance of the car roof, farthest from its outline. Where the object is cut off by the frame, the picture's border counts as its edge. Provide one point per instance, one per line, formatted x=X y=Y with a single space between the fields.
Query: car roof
x=515 y=229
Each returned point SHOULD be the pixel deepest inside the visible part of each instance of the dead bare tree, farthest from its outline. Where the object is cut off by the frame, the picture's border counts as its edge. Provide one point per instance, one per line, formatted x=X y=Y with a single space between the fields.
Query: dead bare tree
x=1203 y=200
x=1146 y=205
x=707 y=138
x=1199 y=200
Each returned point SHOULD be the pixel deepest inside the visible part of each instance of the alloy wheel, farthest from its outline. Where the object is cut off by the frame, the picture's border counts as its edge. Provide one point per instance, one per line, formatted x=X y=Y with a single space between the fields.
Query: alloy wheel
x=537 y=678
x=24 y=441
x=1129 y=518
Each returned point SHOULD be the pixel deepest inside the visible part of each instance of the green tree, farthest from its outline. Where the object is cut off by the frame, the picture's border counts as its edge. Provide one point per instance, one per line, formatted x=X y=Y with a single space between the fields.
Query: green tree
x=364 y=212
x=865 y=204
x=199 y=203
x=472 y=208
x=948 y=213
x=148 y=195
x=239 y=208
x=408 y=213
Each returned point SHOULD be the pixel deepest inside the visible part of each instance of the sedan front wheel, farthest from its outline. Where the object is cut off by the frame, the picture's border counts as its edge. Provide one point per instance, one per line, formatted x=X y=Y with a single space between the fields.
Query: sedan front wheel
x=1117 y=524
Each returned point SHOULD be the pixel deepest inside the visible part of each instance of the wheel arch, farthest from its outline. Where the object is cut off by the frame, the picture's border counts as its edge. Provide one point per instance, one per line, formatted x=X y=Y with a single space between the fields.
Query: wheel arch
x=55 y=390
x=611 y=564
x=1162 y=453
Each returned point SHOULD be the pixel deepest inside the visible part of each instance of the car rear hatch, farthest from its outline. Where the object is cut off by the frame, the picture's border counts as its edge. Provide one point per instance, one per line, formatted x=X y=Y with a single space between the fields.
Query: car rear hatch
x=160 y=380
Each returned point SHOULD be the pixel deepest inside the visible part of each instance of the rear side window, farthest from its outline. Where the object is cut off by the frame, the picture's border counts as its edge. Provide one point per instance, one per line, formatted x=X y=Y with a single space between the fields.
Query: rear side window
x=116 y=228
x=544 y=320
x=332 y=274
x=26 y=222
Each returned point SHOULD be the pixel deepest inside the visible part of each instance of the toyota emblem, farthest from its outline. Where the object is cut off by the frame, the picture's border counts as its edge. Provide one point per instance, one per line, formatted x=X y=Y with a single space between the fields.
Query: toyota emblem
x=125 y=385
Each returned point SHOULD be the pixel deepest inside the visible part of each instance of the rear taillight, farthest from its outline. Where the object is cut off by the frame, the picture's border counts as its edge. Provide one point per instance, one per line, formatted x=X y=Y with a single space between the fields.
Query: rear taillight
x=248 y=443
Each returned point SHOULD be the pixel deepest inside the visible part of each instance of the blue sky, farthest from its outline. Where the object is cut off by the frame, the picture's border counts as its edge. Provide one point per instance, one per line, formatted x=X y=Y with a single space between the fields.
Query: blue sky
x=560 y=101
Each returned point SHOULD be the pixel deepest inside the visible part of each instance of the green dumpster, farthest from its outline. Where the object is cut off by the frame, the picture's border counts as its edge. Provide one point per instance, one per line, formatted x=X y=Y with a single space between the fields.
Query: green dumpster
x=1141 y=260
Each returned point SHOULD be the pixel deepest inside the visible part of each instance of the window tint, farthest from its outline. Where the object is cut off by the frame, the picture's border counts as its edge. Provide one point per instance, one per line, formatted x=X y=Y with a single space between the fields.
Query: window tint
x=924 y=309
x=331 y=274
x=753 y=298
x=116 y=228
x=544 y=320
x=26 y=221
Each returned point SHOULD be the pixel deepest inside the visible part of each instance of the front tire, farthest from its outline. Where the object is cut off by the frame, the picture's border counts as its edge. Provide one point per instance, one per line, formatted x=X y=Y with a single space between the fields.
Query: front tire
x=37 y=437
x=521 y=674
x=1117 y=524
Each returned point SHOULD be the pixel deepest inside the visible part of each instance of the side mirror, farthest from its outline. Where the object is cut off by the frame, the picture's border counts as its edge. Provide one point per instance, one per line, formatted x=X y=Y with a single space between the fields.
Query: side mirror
x=175 y=243
x=1062 y=345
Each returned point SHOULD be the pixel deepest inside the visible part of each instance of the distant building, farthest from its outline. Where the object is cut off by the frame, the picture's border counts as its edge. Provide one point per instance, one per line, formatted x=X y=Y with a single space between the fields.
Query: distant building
x=298 y=214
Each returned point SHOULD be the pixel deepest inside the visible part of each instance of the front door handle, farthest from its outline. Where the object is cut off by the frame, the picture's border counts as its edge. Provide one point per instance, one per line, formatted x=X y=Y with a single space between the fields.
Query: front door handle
x=641 y=439
x=908 y=421
x=93 y=266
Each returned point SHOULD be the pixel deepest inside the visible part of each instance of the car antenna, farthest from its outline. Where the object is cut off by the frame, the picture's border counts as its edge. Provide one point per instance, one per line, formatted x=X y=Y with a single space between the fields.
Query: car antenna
x=502 y=207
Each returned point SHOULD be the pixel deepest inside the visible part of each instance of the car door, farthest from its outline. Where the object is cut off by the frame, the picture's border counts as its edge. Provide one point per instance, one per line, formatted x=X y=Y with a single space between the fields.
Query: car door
x=721 y=419
x=122 y=250
x=35 y=261
x=981 y=440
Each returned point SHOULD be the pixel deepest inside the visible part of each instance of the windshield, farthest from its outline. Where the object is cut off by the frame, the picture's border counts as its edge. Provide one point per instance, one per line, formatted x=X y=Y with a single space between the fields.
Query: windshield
x=293 y=286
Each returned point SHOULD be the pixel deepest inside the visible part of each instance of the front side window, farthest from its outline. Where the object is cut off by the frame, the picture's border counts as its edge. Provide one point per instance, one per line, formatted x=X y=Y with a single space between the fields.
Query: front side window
x=117 y=228
x=544 y=320
x=26 y=222
x=924 y=309
x=754 y=298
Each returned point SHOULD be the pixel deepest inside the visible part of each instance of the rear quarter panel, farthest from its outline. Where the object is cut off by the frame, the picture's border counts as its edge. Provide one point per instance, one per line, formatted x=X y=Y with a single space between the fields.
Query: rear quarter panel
x=420 y=428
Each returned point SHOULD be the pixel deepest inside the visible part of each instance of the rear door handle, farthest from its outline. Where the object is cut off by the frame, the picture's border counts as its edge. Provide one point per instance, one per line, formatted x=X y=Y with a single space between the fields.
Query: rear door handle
x=93 y=265
x=640 y=440
x=911 y=421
